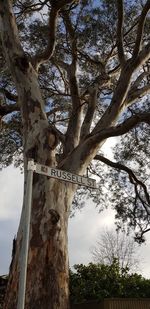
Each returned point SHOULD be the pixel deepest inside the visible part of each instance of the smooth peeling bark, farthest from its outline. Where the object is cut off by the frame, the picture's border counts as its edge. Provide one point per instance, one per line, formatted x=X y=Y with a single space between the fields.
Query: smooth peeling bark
x=48 y=267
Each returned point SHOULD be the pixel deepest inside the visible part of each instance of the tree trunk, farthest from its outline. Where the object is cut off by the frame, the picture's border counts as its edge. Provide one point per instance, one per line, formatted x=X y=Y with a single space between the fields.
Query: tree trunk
x=48 y=273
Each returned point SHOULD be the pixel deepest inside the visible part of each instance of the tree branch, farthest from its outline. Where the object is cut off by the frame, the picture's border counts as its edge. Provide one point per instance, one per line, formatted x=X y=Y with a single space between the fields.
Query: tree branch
x=117 y=102
x=140 y=29
x=136 y=93
x=10 y=96
x=133 y=179
x=142 y=57
x=57 y=133
x=38 y=59
x=91 y=60
x=122 y=128
x=57 y=109
x=139 y=79
x=73 y=130
x=25 y=8
x=9 y=32
x=72 y=35
x=7 y=109
x=89 y=114
x=120 y=31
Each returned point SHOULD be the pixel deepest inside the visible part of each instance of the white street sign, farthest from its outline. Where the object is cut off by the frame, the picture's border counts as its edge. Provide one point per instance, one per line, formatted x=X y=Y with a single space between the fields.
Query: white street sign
x=63 y=175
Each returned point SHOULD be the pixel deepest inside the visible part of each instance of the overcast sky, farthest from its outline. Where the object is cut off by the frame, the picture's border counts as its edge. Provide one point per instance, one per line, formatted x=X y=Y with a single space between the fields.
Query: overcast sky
x=84 y=228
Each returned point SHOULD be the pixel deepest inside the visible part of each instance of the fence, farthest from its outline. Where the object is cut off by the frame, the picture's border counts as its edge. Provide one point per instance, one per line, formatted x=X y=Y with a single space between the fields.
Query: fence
x=116 y=303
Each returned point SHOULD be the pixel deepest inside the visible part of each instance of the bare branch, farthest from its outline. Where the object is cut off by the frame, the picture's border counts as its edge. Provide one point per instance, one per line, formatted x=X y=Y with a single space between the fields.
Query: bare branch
x=114 y=71
x=73 y=130
x=59 y=134
x=139 y=80
x=10 y=96
x=91 y=60
x=142 y=233
x=142 y=57
x=140 y=29
x=25 y=8
x=60 y=4
x=60 y=63
x=89 y=114
x=7 y=109
x=120 y=31
x=9 y=31
x=117 y=102
x=132 y=177
x=136 y=93
x=48 y=53
x=122 y=128
x=57 y=109
x=125 y=34
x=72 y=35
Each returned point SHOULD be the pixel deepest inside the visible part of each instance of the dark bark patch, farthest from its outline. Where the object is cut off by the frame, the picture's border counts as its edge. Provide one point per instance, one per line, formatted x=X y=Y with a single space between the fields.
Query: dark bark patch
x=36 y=178
x=51 y=140
x=31 y=103
x=36 y=240
x=22 y=63
x=8 y=43
x=54 y=216
x=32 y=153
x=37 y=215
x=2 y=13
x=13 y=253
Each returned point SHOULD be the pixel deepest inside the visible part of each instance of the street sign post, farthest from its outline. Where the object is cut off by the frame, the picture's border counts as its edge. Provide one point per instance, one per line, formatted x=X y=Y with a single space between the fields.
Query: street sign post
x=25 y=237
x=50 y=172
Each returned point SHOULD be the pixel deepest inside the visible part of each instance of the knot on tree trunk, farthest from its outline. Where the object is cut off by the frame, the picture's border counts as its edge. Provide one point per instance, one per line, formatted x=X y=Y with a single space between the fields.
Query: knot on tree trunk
x=54 y=216
x=51 y=140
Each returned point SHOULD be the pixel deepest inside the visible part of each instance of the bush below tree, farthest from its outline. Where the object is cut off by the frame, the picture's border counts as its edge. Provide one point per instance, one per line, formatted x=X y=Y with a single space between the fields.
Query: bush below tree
x=99 y=281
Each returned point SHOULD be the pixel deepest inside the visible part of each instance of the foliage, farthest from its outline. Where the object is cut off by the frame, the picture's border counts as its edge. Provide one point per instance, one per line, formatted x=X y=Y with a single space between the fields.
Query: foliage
x=98 y=281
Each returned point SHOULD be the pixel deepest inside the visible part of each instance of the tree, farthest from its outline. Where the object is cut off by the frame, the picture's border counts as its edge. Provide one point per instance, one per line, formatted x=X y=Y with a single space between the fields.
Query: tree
x=116 y=245
x=94 y=282
x=71 y=75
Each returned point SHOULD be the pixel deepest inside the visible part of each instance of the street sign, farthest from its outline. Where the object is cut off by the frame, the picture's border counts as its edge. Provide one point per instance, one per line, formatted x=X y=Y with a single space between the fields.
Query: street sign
x=64 y=175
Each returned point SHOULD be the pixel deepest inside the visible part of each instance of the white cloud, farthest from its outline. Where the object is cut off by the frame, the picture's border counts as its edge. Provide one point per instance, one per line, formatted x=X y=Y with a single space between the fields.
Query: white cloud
x=83 y=232
x=107 y=148
x=11 y=188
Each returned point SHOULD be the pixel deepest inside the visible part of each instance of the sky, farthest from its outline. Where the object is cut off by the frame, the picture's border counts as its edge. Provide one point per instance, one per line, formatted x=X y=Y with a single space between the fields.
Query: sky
x=84 y=228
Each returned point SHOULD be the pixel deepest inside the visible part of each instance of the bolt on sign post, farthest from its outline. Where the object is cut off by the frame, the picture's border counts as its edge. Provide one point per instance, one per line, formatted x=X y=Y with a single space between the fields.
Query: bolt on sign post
x=54 y=173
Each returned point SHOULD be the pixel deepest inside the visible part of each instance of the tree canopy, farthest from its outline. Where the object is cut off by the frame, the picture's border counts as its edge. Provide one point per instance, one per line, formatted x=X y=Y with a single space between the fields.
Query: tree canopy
x=107 y=54
x=99 y=281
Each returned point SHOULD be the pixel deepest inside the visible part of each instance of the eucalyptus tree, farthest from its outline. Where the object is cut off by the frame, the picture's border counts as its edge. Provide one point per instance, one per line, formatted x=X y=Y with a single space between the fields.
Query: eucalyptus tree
x=73 y=74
